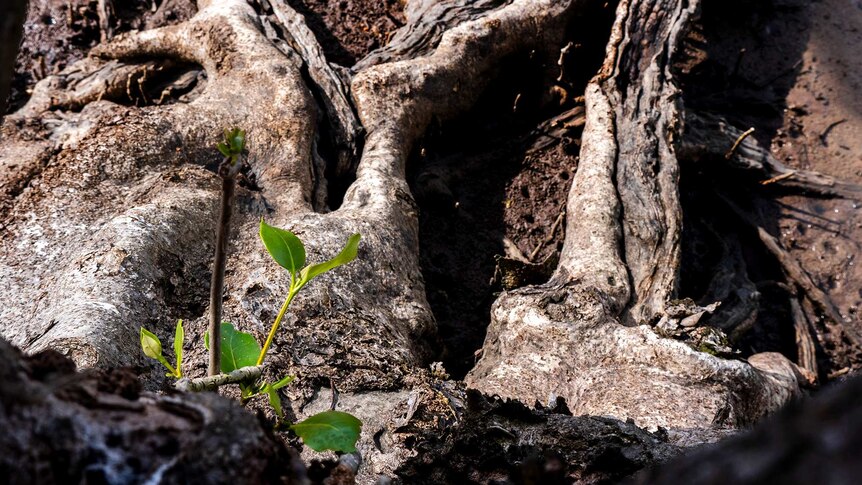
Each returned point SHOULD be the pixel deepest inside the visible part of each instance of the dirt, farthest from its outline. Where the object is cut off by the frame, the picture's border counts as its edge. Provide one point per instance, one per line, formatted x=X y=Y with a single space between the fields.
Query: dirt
x=349 y=29
x=475 y=189
x=822 y=131
x=487 y=179
x=561 y=449
x=60 y=32
x=791 y=70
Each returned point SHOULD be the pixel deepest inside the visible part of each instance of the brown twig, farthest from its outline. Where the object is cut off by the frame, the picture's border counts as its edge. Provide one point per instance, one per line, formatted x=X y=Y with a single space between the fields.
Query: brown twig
x=778 y=178
x=795 y=272
x=739 y=140
x=228 y=170
x=804 y=342
x=209 y=383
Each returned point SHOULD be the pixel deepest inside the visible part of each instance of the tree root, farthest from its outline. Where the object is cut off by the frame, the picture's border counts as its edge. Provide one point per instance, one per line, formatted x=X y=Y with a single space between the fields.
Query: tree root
x=114 y=231
x=708 y=137
x=619 y=264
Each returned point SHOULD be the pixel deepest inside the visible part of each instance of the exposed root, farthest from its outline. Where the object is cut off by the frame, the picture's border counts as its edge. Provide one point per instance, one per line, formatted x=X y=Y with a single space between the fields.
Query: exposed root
x=619 y=264
x=707 y=136
x=333 y=84
x=797 y=274
x=131 y=212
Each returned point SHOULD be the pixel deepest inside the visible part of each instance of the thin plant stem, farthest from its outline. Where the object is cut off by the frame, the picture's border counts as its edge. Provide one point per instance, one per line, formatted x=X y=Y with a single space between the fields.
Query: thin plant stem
x=228 y=170
x=276 y=324
x=169 y=366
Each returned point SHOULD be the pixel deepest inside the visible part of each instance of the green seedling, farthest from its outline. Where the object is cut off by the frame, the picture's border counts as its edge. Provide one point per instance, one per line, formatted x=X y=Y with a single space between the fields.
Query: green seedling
x=329 y=430
x=233 y=144
x=289 y=252
x=153 y=349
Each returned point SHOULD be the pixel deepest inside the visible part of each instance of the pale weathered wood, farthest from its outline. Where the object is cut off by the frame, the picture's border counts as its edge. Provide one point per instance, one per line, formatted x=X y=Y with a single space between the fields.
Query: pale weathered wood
x=332 y=82
x=427 y=20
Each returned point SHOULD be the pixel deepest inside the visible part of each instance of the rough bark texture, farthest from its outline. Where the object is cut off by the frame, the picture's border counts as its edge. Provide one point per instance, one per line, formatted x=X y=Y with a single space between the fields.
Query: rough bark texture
x=98 y=427
x=619 y=265
x=109 y=205
x=817 y=441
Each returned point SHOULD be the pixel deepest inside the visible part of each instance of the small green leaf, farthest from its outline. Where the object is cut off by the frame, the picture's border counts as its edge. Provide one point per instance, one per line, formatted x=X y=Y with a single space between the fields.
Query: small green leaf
x=347 y=254
x=236 y=139
x=224 y=149
x=284 y=247
x=287 y=380
x=247 y=390
x=153 y=349
x=329 y=430
x=179 y=336
x=274 y=399
x=238 y=349
x=151 y=344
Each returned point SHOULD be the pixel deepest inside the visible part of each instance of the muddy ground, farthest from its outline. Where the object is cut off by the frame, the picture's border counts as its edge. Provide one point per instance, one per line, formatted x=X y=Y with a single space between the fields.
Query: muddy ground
x=791 y=71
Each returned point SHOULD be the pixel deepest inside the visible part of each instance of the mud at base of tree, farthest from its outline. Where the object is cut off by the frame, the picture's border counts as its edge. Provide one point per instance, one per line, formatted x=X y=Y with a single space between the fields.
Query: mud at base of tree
x=784 y=68
x=349 y=29
x=60 y=32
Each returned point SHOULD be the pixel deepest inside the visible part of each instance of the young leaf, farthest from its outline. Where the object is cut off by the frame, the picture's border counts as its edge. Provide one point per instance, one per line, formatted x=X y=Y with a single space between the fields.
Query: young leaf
x=179 y=336
x=151 y=344
x=247 y=390
x=274 y=399
x=287 y=380
x=223 y=149
x=236 y=138
x=284 y=247
x=347 y=254
x=238 y=349
x=153 y=349
x=329 y=430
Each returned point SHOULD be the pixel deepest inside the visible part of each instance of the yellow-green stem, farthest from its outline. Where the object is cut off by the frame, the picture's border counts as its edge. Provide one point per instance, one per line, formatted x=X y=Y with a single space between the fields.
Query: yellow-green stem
x=168 y=366
x=275 y=325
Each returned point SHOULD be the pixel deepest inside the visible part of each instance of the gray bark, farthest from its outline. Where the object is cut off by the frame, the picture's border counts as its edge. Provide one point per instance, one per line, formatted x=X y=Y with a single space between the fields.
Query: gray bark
x=63 y=427
x=618 y=267
x=110 y=216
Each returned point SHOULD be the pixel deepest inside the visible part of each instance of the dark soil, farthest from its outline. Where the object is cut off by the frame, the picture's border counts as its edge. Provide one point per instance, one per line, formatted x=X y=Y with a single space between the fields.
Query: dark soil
x=753 y=64
x=477 y=184
x=60 y=32
x=484 y=178
x=349 y=29
x=488 y=446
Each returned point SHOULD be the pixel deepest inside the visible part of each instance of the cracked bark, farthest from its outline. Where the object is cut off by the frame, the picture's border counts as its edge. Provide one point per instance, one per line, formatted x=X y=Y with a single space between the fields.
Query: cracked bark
x=110 y=213
x=619 y=263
